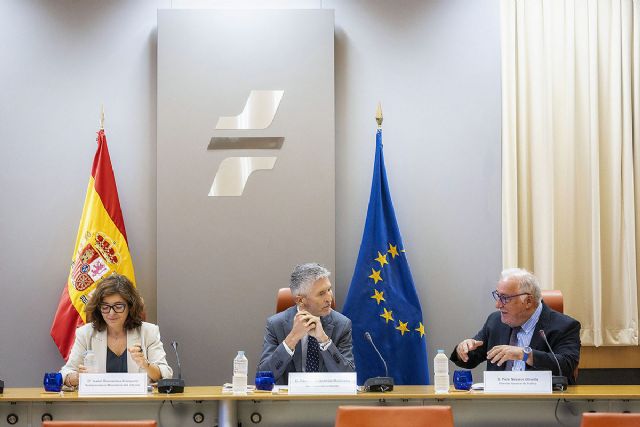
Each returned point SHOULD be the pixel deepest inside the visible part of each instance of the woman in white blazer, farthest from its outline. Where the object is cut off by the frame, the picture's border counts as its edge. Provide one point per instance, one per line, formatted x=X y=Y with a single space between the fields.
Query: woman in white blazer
x=121 y=341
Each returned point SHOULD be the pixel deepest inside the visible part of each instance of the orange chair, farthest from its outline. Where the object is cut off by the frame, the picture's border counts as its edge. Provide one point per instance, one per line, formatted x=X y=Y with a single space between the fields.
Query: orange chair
x=387 y=416
x=138 y=423
x=609 y=419
x=285 y=300
x=553 y=299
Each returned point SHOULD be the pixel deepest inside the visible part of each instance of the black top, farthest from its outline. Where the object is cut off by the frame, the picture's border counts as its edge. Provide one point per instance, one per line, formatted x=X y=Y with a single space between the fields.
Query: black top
x=116 y=363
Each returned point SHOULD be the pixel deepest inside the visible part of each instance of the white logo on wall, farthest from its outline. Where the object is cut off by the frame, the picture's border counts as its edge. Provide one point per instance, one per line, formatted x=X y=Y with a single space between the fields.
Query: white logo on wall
x=233 y=172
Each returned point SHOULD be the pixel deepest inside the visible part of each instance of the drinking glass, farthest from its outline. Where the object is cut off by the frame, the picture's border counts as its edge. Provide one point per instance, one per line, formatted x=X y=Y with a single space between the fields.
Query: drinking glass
x=462 y=379
x=264 y=380
x=52 y=381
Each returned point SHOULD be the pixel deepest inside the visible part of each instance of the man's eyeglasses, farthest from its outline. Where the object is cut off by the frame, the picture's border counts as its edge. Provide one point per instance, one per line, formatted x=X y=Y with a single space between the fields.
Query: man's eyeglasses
x=118 y=307
x=504 y=299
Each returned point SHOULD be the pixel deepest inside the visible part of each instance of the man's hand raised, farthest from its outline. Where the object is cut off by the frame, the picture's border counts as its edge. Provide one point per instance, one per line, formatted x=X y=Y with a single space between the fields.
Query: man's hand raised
x=502 y=353
x=465 y=347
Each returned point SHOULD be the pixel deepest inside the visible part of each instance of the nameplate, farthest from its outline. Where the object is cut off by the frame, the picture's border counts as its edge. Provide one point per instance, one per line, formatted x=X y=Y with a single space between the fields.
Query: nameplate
x=322 y=383
x=112 y=384
x=517 y=382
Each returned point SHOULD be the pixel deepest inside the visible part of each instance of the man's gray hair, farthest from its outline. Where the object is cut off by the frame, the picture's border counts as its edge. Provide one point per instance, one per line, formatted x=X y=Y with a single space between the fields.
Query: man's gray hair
x=526 y=280
x=305 y=275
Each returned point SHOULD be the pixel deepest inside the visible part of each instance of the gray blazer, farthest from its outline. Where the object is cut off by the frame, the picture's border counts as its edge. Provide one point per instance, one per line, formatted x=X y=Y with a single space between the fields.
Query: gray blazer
x=87 y=338
x=275 y=358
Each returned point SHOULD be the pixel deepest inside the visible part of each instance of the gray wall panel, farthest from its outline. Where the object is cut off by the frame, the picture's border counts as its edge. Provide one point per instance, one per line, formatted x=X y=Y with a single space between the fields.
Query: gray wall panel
x=221 y=259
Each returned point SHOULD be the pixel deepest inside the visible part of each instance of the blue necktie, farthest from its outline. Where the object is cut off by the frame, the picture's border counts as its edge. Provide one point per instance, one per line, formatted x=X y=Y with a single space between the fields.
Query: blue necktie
x=313 y=355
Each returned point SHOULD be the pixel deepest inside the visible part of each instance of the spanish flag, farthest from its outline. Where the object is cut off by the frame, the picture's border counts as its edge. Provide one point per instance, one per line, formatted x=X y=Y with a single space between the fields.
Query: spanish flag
x=101 y=249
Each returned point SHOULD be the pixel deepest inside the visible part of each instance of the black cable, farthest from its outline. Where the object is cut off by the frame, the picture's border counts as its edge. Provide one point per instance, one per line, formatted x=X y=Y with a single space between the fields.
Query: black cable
x=555 y=413
x=159 y=417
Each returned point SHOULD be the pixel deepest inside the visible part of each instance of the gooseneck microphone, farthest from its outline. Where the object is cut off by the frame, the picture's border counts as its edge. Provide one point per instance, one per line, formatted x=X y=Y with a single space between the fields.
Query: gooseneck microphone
x=172 y=385
x=367 y=335
x=378 y=384
x=175 y=349
x=560 y=382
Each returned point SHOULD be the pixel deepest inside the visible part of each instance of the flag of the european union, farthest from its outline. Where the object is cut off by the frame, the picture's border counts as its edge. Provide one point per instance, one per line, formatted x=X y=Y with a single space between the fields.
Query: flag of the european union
x=382 y=298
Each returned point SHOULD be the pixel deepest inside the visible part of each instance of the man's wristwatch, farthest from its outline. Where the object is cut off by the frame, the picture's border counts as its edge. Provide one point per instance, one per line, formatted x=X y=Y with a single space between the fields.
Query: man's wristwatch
x=325 y=345
x=527 y=351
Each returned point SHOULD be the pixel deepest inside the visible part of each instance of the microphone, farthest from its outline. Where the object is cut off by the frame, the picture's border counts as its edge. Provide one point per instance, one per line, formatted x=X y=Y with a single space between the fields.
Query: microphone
x=172 y=385
x=175 y=349
x=378 y=384
x=560 y=382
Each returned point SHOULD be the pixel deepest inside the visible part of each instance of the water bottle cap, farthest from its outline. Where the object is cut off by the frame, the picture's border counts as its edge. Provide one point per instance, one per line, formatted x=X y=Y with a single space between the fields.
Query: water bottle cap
x=440 y=351
x=240 y=352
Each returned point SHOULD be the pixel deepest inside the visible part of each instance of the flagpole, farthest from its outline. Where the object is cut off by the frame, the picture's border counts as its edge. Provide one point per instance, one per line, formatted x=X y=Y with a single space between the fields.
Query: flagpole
x=102 y=117
x=379 y=115
x=382 y=300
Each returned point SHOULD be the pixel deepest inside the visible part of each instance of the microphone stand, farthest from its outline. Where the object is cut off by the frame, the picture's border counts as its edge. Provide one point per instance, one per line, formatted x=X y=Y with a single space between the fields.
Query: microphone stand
x=558 y=382
x=378 y=384
x=172 y=385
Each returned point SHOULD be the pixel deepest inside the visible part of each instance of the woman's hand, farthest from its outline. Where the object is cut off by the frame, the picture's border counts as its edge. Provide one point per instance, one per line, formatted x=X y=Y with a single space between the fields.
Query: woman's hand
x=72 y=379
x=153 y=372
x=138 y=357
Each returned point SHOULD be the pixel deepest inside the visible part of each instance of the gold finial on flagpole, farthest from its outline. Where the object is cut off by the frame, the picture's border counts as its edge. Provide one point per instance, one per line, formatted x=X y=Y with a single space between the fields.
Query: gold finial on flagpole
x=379 y=115
x=102 y=117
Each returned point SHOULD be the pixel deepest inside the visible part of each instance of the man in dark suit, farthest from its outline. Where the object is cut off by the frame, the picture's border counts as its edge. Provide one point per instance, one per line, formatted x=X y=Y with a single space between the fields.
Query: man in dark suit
x=510 y=338
x=310 y=336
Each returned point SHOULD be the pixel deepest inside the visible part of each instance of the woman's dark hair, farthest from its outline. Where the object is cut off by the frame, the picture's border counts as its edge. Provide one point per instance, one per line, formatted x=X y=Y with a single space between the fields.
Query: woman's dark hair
x=112 y=285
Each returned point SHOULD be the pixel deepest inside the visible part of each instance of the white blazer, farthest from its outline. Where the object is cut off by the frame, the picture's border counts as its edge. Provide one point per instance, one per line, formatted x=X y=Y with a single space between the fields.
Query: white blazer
x=147 y=335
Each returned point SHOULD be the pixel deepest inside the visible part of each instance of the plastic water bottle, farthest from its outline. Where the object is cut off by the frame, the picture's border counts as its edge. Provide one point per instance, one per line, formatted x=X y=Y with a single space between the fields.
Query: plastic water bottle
x=441 y=372
x=240 y=371
x=90 y=362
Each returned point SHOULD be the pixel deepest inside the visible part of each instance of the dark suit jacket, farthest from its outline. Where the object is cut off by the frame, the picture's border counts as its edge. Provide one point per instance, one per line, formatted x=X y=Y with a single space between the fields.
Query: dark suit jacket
x=275 y=358
x=563 y=334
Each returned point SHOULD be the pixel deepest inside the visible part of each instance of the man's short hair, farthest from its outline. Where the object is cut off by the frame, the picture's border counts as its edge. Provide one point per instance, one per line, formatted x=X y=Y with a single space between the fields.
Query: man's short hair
x=526 y=280
x=305 y=275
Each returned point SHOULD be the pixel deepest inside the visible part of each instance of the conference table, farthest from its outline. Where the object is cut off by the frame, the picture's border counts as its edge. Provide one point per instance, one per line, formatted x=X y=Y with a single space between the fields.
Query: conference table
x=210 y=406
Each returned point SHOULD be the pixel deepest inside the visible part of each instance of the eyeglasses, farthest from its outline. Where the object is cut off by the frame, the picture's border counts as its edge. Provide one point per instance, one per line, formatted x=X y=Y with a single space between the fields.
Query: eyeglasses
x=504 y=299
x=118 y=307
